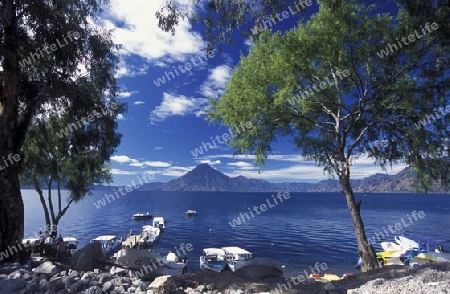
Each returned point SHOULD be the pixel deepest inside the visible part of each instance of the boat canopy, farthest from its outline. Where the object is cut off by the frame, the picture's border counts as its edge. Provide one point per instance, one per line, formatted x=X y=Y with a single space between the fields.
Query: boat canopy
x=237 y=253
x=105 y=238
x=213 y=251
x=70 y=239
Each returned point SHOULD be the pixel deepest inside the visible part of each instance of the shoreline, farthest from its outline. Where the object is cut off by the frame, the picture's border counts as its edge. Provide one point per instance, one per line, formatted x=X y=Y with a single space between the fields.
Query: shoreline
x=39 y=276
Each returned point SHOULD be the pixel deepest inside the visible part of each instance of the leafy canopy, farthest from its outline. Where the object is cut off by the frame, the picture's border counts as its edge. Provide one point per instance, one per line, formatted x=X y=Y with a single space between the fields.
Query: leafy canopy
x=380 y=99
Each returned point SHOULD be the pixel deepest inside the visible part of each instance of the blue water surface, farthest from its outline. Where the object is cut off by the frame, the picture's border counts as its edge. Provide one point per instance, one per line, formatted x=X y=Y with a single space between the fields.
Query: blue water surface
x=298 y=232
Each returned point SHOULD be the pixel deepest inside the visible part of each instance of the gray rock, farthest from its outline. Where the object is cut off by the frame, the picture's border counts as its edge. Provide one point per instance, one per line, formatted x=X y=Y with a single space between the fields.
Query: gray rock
x=33 y=287
x=84 y=258
x=75 y=287
x=131 y=289
x=55 y=284
x=103 y=277
x=108 y=286
x=201 y=288
x=15 y=275
x=93 y=290
x=119 y=289
x=329 y=286
x=43 y=285
x=163 y=284
x=27 y=276
x=211 y=286
x=93 y=283
x=47 y=268
x=67 y=280
x=86 y=278
x=63 y=291
x=73 y=273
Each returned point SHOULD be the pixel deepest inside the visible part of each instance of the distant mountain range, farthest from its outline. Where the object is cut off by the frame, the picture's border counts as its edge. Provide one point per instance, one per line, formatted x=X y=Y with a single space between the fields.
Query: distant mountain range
x=205 y=178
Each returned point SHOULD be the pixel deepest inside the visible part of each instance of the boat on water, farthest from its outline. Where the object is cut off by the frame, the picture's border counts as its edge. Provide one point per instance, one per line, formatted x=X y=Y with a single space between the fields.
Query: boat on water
x=190 y=212
x=71 y=245
x=140 y=216
x=144 y=261
x=149 y=236
x=159 y=222
x=109 y=243
x=242 y=262
x=213 y=259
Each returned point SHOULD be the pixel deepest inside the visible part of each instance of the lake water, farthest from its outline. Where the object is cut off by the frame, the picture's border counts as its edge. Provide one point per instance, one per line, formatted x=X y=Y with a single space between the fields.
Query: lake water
x=298 y=232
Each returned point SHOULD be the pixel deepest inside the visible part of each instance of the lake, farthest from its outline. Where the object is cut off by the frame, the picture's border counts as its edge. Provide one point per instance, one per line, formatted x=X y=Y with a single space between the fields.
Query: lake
x=297 y=231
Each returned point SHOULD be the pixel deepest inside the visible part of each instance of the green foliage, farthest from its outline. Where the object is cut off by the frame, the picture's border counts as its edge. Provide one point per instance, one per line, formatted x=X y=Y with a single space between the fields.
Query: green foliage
x=382 y=98
x=221 y=18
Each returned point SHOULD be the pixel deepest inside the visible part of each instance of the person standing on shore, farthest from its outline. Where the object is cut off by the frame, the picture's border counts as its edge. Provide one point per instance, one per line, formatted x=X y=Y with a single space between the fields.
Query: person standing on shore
x=41 y=243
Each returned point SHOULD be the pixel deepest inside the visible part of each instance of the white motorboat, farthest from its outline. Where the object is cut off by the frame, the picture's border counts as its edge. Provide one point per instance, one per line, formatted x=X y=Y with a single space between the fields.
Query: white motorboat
x=159 y=222
x=213 y=259
x=142 y=262
x=140 y=216
x=109 y=243
x=149 y=236
x=191 y=212
x=242 y=261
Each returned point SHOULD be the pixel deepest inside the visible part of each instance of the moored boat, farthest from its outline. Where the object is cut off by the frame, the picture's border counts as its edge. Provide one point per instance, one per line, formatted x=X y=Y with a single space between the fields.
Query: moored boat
x=242 y=262
x=213 y=259
x=71 y=245
x=191 y=212
x=149 y=236
x=159 y=222
x=109 y=243
x=140 y=216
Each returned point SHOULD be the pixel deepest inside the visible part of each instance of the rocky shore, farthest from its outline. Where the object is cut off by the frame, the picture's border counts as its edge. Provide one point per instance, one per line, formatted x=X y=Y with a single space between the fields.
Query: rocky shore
x=84 y=273
x=52 y=277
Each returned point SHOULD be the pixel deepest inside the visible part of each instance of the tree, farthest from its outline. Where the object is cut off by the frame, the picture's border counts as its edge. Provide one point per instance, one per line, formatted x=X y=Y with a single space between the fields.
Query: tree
x=328 y=86
x=41 y=53
x=221 y=18
x=73 y=160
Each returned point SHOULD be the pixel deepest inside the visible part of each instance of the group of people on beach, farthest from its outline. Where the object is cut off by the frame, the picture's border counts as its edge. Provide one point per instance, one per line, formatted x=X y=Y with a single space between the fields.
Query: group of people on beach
x=48 y=247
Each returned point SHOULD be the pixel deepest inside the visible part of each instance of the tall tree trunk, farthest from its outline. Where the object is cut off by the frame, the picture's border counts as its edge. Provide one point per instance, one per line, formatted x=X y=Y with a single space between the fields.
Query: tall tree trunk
x=366 y=252
x=11 y=204
x=38 y=189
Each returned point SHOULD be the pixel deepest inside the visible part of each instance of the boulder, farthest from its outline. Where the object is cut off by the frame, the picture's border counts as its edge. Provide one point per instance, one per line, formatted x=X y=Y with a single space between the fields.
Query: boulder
x=162 y=285
x=84 y=259
x=47 y=268
x=93 y=290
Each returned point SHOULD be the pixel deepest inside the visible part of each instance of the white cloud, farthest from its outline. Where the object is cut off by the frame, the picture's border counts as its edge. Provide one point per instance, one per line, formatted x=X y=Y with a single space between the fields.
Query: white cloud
x=127 y=69
x=138 y=102
x=210 y=162
x=158 y=148
x=116 y=171
x=121 y=158
x=125 y=94
x=136 y=29
x=121 y=117
x=216 y=81
x=156 y=163
x=177 y=105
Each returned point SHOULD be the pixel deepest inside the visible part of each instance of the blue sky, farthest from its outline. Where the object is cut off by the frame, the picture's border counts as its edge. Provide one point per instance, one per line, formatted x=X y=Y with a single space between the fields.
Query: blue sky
x=166 y=123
